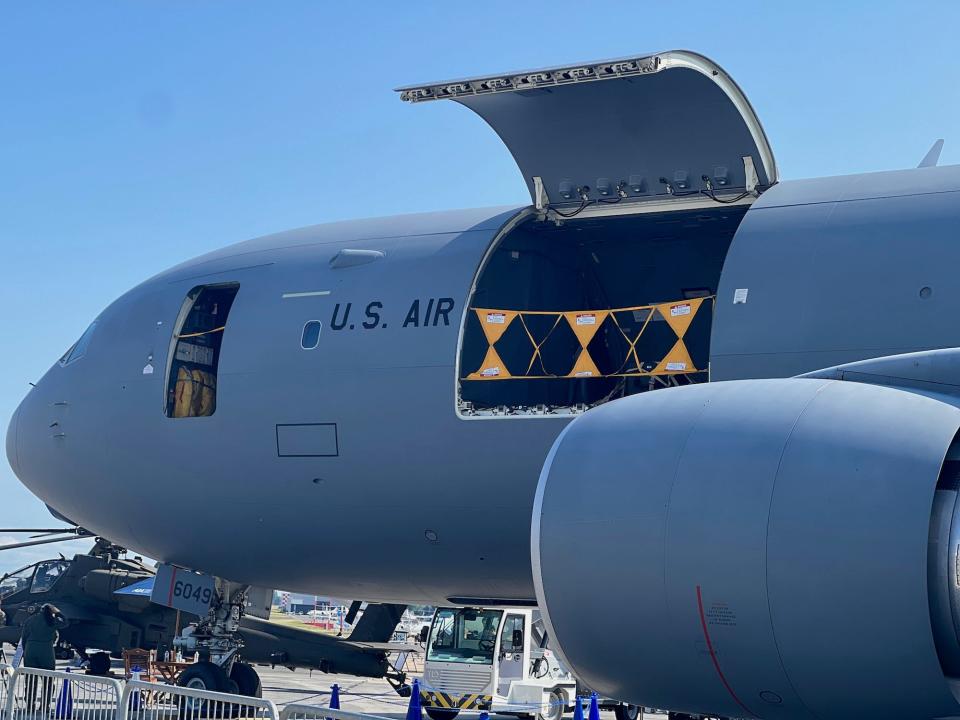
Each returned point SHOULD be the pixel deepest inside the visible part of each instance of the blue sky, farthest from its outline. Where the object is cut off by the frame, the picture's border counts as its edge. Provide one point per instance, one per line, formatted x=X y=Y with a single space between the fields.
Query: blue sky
x=134 y=135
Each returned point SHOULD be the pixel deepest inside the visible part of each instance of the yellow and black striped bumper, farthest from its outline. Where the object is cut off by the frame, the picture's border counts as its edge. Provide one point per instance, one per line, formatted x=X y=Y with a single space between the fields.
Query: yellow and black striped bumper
x=435 y=698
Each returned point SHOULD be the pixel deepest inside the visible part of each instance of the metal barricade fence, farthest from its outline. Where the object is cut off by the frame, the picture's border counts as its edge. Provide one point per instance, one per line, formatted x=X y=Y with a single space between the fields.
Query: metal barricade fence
x=153 y=701
x=6 y=675
x=33 y=693
x=302 y=711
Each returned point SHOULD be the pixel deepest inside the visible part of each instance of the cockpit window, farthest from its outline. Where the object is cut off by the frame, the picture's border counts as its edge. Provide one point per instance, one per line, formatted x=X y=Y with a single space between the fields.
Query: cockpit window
x=15 y=581
x=79 y=348
x=47 y=575
x=192 y=382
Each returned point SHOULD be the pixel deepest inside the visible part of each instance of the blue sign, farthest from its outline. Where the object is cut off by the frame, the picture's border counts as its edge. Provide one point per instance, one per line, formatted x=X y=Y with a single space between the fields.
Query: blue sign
x=144 y=587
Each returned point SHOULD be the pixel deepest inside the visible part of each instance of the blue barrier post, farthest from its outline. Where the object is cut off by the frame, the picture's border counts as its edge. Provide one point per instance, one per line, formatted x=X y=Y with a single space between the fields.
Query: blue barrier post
x=414 y=709
x=135 y=697
x=335 y=697
x=578 y=708
x=64 y=708
x=594 y=707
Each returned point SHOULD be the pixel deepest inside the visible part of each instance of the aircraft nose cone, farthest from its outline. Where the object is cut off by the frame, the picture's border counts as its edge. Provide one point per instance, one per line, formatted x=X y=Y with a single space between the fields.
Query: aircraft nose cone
x=12 y=456
x=40 y=459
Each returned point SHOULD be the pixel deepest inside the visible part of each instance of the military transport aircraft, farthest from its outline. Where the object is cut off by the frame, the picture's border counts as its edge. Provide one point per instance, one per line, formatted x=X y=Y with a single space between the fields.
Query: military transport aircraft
x=780 y=542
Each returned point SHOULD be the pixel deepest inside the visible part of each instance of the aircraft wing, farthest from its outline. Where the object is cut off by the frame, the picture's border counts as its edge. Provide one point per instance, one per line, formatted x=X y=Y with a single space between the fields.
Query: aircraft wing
x=928 y=372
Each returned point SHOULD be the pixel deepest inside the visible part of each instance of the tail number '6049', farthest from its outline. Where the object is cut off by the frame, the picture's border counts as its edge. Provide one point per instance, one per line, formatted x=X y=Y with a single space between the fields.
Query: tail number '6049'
x=183 y=590
x=189 y=591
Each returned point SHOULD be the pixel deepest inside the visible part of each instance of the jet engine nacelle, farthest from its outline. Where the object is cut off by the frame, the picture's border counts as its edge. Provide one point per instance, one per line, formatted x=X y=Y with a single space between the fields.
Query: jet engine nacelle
x=756 y=548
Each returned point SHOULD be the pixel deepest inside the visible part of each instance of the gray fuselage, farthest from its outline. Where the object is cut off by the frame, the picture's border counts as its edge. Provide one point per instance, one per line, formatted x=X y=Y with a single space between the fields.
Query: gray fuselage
x=397 y=496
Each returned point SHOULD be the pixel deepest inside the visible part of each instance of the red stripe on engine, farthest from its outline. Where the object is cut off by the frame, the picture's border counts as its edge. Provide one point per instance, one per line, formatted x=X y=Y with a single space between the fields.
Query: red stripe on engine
x=713 y=655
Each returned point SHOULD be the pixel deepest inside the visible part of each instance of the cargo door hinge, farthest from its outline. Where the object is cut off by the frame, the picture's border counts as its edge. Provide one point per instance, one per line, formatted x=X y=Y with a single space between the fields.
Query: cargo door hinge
x=750 y=175
x=541 y=201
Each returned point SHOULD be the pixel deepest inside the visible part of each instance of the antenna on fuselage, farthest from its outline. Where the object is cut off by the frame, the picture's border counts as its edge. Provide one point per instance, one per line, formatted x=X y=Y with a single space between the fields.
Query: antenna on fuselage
x=933 y=155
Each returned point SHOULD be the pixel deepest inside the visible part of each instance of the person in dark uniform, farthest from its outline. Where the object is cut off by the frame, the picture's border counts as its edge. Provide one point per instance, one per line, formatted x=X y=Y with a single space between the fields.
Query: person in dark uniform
x=39 y=636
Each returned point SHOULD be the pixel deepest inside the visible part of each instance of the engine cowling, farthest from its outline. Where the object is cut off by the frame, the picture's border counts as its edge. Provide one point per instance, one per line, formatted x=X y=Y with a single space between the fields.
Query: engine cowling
x=756 y=548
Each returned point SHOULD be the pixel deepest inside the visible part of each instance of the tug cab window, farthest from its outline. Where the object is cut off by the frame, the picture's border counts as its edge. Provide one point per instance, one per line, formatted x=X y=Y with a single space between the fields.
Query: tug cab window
x=511 y=637
x=192 y=381
x=464 y=635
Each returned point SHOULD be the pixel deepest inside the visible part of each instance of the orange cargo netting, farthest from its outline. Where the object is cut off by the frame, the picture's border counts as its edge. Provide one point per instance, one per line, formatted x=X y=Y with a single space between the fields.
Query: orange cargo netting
x=585 y=324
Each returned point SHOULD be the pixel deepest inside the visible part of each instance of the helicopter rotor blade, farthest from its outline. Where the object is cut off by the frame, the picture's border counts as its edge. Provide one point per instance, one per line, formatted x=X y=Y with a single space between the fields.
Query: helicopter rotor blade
x=42 y=530
x=79 y=535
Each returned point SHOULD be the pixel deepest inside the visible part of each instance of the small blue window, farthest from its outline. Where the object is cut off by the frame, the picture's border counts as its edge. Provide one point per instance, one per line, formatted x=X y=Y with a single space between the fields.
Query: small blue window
x=79 y=348
x=311 y=334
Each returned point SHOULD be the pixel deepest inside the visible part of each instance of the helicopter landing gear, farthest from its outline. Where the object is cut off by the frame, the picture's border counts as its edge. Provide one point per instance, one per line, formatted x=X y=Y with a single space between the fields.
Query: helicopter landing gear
x=217 y=642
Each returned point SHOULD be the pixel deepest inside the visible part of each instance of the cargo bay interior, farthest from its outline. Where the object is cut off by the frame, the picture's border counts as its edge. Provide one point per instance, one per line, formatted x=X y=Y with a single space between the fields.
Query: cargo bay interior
x=195 y=351
x=565 y=317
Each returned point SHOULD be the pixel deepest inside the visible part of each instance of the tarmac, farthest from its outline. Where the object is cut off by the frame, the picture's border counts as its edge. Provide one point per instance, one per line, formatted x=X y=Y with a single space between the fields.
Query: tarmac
x=362 y=695
x=366 y=695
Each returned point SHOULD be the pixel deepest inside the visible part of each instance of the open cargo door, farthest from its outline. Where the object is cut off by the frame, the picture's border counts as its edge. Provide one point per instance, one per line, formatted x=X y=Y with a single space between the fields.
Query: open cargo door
x=628 y=130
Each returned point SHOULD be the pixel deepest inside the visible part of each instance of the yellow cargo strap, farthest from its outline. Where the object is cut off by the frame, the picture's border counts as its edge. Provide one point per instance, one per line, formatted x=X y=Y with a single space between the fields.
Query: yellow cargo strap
x=538 y=345
x=204 y=332
x=632 y=352
x=585 y=324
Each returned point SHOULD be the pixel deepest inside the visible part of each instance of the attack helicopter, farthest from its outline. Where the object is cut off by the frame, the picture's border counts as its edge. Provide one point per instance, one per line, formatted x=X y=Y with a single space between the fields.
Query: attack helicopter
x=85 y=589
x=106 y=597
